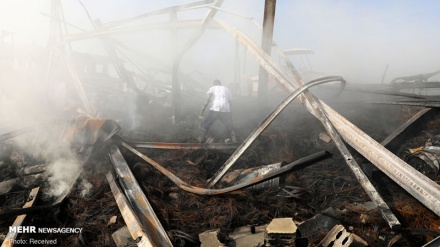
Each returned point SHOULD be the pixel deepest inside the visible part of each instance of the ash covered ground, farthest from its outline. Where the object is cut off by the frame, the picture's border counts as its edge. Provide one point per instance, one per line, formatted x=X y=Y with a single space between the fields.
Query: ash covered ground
x=327 y=187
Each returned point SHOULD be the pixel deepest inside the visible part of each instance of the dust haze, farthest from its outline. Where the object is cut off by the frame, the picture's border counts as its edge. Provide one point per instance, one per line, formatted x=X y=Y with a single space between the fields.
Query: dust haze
x=355 y=39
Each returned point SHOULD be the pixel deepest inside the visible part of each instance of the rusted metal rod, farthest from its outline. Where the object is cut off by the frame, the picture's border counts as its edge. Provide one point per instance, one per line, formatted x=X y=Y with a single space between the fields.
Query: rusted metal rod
x=313 y=158
x=264 y=124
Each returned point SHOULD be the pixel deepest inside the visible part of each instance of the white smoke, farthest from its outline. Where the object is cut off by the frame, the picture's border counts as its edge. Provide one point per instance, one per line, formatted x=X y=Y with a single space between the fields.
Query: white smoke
x=63 y=173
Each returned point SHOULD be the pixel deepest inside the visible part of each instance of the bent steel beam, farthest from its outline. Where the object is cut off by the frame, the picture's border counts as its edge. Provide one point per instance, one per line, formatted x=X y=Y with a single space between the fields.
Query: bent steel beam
x=263 y=125
x=418 y=185
x=151 y=224
x=313 y=158
x=415 y=183
x=315 y=109
x=134 y=226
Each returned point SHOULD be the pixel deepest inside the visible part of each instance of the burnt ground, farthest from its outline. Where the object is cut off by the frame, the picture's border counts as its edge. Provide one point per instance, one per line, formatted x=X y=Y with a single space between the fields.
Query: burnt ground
x=294 y=134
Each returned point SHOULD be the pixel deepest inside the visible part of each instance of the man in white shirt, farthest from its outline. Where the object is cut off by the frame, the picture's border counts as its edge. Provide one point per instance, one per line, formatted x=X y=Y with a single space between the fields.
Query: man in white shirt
x=219 y=99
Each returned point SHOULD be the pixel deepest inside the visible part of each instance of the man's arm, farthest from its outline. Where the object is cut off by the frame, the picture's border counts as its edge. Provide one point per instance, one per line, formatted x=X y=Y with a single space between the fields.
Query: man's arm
x=206 y=104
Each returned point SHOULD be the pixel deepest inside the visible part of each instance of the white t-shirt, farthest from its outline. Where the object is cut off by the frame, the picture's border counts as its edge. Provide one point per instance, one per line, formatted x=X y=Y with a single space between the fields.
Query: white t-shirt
x=221 y=96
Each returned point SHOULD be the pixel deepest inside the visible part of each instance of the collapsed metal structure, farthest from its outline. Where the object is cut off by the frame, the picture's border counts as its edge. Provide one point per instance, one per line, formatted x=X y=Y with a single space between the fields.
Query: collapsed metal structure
x=133 y=204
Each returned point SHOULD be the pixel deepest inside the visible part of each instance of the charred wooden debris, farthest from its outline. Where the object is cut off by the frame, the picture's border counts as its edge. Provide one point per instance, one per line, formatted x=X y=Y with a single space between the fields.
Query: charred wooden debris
x=126 y=188
x=174 y=198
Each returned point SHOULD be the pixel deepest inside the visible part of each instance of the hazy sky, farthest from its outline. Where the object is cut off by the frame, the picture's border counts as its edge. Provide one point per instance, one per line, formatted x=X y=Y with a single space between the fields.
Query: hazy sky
x=355 y=39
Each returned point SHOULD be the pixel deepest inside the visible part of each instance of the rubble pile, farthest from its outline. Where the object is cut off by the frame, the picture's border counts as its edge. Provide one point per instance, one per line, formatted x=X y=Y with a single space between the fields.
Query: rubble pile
x=127 y=163
x=315 y=198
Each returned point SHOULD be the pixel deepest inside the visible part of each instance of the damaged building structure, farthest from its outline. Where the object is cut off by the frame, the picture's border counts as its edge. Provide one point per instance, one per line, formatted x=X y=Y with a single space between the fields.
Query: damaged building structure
x=319 y=162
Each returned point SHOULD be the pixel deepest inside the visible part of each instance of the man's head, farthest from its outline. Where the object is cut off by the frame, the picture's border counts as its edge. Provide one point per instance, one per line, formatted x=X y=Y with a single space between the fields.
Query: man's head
x=216 y=82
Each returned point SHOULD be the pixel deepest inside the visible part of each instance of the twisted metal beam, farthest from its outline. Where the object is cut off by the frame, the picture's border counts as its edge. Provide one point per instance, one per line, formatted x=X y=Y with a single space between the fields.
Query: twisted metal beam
x=264 y=124
x=313 y=158
x=418 y=185
x=151 y=225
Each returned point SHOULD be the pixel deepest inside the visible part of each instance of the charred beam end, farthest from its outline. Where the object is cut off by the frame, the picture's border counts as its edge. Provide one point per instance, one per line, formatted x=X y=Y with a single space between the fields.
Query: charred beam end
x=36 y=209
x=408 y=129
x=28 y=210
x=141 y=205
x=130 y=218
x=9 y=239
